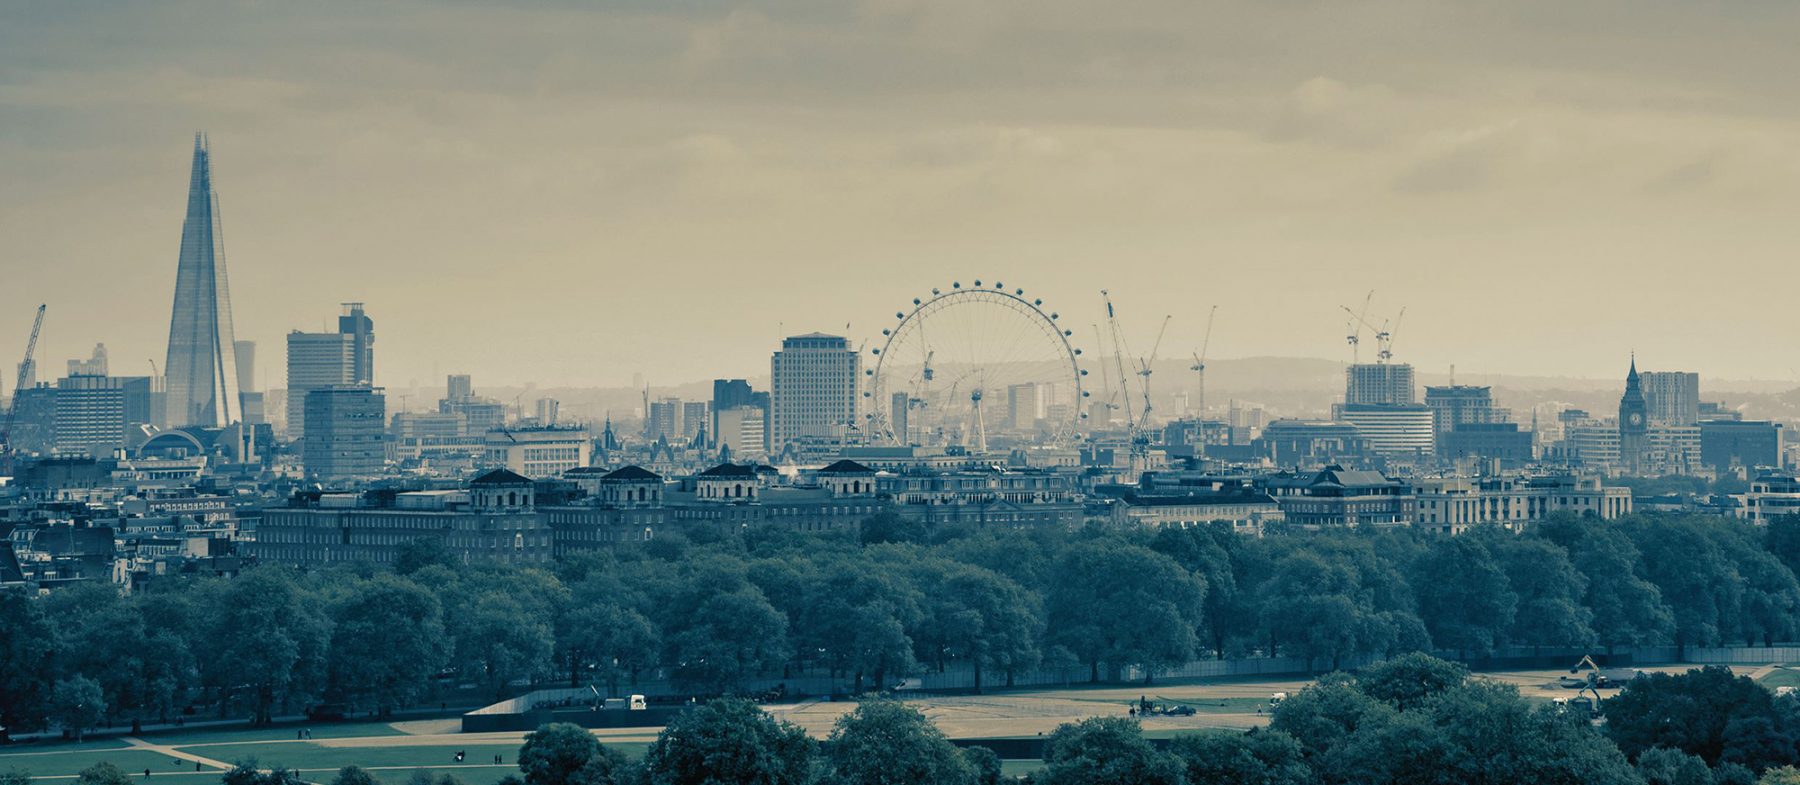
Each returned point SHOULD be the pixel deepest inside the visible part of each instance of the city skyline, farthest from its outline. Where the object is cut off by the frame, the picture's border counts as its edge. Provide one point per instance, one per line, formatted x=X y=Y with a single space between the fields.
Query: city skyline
x=1560 y=178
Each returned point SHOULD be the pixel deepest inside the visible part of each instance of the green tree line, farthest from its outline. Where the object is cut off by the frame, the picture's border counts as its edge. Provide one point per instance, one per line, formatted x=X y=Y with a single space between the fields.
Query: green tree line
x=711 y=611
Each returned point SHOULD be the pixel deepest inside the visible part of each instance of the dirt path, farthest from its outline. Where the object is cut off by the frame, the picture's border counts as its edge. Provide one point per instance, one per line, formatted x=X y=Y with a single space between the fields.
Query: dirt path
x=175 y=753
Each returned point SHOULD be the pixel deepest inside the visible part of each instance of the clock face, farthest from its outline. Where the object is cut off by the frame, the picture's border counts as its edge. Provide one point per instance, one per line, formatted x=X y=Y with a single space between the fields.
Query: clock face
x=1637 y=419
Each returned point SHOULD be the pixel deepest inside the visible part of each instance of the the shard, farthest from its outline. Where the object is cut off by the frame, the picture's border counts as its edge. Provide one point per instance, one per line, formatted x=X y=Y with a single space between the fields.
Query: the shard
x=201 y=368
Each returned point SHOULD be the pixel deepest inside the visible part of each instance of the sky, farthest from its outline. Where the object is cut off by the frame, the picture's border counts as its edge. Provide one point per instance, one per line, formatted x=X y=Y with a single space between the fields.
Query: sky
x=571 y=193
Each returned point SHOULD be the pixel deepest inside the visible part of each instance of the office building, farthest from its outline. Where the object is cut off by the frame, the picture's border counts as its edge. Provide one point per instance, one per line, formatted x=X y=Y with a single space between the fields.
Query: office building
x=813 y=393
x=1461 y=404
x=200 y=370
x=548 y=409
x=314 y=361
x=741 y=431
x=694 y=419
x=459 y=388
x=1499 y=441
x=93 y=414
x=538 y=452
x=1772 y=495
x=1671 y=397
x=361 y=329
x=731 y=394
x=663 y=421
x=1391 y=430
x=1379 y=384
x=250 y=398
x=1025 y=405
x=1736 y=445
x=345 y=432
x=1335 y=497
x=94 y=365
x=1454 y=504
x=493 y=520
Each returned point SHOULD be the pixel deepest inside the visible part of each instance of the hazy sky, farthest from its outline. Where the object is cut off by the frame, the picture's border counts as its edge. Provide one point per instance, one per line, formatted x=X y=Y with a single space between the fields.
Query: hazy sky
x=570 y=194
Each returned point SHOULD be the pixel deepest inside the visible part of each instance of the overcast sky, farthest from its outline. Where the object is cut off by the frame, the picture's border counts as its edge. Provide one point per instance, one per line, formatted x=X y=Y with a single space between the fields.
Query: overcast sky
x=572 y=194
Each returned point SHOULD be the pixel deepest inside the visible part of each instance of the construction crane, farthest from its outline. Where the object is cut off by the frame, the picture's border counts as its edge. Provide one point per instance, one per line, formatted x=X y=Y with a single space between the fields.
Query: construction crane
x=1199 y=366
x=26 y=371
x=1146 y=365
x=1119 y=352
x=1384 y=335
x=1354 y=328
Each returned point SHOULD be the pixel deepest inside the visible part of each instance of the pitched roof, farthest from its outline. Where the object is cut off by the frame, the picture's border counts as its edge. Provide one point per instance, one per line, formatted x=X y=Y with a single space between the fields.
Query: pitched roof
x=846 y=466
x=501 y=477
x=632 y=473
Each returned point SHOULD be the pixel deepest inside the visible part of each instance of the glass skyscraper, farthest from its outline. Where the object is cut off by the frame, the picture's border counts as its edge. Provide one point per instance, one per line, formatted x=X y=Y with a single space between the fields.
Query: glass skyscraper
x=201 y=368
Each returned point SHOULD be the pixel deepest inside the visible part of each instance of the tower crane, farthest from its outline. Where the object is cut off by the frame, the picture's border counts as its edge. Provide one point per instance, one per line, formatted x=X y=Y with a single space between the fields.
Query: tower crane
x=1384 y=335
x=26 y=371
x=1199 y=366
x=1358 y=321
x=1119 y=352
x=1146 y=367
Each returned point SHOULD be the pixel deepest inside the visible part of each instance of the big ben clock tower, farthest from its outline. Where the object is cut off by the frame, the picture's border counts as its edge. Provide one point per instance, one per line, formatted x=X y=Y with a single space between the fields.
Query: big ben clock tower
x=1632 y=423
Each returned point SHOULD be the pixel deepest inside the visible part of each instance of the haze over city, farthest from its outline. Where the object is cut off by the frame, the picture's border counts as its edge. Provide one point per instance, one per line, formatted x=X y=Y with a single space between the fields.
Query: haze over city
x=573 y=194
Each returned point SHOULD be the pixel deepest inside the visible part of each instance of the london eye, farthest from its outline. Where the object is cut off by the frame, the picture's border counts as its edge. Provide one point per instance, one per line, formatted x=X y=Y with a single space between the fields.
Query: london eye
x=975 y=366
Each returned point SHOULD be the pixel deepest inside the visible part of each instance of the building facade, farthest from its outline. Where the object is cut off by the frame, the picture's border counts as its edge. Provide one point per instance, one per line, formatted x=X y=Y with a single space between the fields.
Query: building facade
x=1671 y=397
x=539 y=452
x=200 y=369
x=813 y=394
x=347 y=438
x=315 y=361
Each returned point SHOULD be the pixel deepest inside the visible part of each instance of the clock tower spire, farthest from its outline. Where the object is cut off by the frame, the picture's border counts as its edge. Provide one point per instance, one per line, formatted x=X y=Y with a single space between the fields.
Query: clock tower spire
x=1633 y=426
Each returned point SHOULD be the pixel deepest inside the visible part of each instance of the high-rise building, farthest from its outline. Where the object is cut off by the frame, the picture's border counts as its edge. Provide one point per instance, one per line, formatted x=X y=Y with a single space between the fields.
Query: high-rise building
x=1379 y=384
x=459 y=388
x=345 y=431
x=314 y=361
x=1671 y=397
x=200 y=371
x=361 y=329
x=1457 y=405
x=1392 y=429
x=741 y=431
x=92 y=414
x=663 y=420
x=1728 y=445
x=1025 y=405
x=94 y=365
x=694 y=417
x=813 y=392
x=254 y=411
x=728 y=394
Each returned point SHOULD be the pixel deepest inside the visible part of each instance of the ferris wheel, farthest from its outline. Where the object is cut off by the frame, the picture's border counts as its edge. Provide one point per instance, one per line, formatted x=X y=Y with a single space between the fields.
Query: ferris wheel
x=972 y=363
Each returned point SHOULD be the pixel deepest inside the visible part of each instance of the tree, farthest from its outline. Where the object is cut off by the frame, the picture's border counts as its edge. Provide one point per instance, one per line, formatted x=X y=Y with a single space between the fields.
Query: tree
x=268 y=634
x=246 y=773
x=1229 y=757
x=1408 y=680
x=560 y=753
x=1701 y=712
x=729 y=740
x=1325 y=714
x=388 y=642
x=1464 y=598
x=1786 y=775
x=609 y=638
x=1123 y=605
x=978 y=616
x=982 y=761
x=103 y=773
x=727 y=639
x=1702 y=588
x=355 y=775
x=25 y=661
x=1107 y=751
x=1664 y=766
x=889 y=743
x=1549 y=591
x=22 y=777
x=77 y=704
